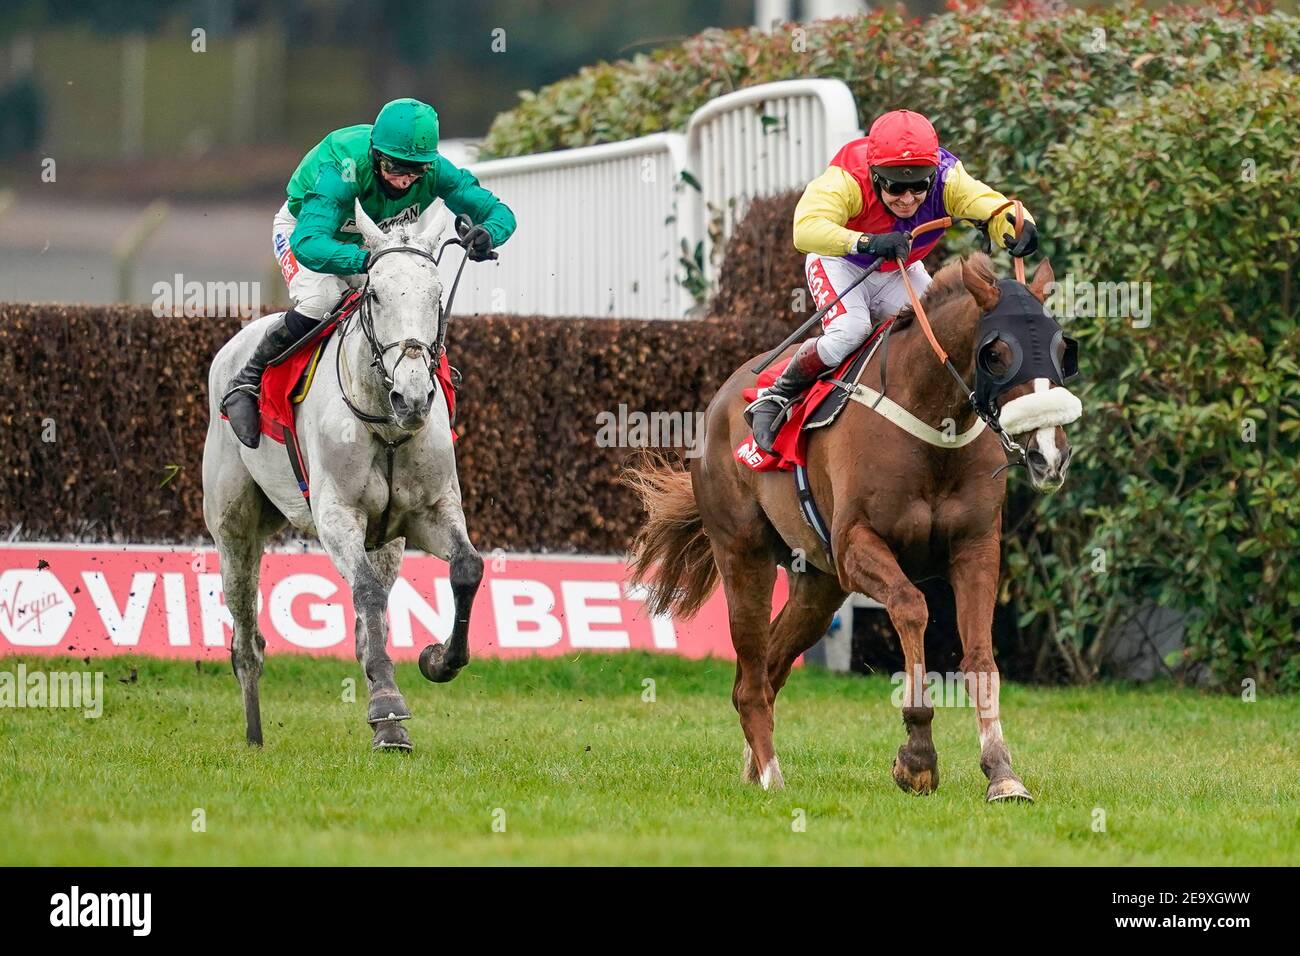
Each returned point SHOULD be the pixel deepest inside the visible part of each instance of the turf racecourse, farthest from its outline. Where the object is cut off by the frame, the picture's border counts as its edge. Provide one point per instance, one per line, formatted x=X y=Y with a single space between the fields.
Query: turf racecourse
x=581 y=770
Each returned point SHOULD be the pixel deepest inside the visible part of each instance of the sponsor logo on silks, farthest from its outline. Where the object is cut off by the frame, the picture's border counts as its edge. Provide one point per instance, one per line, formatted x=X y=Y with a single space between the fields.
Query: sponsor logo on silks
x=288 y=266
x=281 y=244
x=823 y=292
x=750 y=454
x=75 y=908
x=35 y=609
x=404 y=218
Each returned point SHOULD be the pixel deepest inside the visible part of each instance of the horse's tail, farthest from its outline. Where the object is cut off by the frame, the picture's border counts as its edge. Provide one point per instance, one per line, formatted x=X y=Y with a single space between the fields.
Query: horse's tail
x=670 y=555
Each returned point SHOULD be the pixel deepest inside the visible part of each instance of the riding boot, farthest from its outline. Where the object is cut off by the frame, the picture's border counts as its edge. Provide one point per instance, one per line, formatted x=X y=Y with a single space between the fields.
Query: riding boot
x=769 y=408
x=241 y=402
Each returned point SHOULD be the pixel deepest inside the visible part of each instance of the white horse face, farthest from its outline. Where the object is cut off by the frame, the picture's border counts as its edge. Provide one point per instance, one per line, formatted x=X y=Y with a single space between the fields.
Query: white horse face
x=406 y=307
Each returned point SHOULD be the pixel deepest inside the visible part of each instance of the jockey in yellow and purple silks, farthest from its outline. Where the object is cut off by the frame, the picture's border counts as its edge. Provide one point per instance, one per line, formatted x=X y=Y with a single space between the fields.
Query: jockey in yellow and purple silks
x=875 y=190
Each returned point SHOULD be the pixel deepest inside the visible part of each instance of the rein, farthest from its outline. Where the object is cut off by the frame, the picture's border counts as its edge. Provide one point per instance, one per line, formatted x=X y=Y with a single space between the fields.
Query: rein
x=1011 y=446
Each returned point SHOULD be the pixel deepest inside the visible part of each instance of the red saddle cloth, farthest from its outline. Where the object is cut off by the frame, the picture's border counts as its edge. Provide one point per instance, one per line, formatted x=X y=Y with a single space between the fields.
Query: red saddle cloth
x=791 y=446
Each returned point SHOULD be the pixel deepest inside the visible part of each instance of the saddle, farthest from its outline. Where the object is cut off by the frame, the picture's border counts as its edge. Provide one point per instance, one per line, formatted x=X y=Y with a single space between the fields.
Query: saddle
x=820 y=406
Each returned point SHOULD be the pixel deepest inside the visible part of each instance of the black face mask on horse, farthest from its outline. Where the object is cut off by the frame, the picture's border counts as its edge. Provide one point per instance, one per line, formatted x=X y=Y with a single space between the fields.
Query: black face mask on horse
x=1039 y=349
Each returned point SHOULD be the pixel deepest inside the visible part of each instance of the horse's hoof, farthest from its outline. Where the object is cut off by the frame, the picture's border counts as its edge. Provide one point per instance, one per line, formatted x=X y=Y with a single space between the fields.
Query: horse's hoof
x=387 y=707
x=921 y=782
x=390 y=735
x=434 y=665
x=1008 y=788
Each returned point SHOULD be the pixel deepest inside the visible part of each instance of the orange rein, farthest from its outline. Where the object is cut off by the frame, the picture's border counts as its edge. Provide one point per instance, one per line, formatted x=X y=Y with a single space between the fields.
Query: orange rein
x=944 y=224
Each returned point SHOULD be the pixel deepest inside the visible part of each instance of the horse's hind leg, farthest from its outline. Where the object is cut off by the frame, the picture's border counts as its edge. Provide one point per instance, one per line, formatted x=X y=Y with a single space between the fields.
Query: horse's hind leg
x=867 y=565
x=974 y=576
x=241 y=559
x=747 y=577
x=805 y=619
x=441 y=532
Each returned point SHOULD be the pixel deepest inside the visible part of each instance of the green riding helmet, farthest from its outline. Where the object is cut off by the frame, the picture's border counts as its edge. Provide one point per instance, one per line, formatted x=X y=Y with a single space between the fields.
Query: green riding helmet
x=406 y=129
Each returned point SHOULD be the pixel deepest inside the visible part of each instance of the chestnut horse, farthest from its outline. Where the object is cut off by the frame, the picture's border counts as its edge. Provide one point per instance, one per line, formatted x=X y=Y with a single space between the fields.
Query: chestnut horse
x=899 y=509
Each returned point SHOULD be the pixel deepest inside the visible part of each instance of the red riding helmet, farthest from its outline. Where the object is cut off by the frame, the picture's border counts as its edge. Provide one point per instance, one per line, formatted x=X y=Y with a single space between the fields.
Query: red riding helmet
x=904 y=139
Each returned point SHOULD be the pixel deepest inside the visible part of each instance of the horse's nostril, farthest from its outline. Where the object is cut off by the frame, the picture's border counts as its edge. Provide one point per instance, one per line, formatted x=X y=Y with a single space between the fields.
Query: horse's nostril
x=1037 y=459
x=399 y=403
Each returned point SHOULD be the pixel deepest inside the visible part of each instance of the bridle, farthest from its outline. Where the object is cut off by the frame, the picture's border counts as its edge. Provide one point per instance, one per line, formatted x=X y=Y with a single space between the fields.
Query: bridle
x=432 y=352
x=1017 y=454
x=363 y=316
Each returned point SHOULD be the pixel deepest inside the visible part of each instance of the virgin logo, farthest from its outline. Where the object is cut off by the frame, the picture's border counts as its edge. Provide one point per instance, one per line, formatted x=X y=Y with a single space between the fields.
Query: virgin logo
x=35 y=609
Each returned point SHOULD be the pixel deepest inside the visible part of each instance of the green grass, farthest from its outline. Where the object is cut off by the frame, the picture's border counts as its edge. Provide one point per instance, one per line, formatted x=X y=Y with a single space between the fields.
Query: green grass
x=586 y=772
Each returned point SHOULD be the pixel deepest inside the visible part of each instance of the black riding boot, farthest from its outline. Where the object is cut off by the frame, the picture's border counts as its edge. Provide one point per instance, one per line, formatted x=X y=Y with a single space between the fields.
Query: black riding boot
x=240 y=403
x=767 y=409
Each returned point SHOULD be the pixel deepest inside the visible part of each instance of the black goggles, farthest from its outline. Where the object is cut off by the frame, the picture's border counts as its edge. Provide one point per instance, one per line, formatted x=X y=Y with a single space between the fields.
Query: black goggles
x=398 y=167
x=897 y=189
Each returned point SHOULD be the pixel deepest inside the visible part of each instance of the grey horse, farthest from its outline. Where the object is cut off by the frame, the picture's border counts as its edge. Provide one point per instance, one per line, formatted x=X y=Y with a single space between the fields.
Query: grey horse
x=383 y=373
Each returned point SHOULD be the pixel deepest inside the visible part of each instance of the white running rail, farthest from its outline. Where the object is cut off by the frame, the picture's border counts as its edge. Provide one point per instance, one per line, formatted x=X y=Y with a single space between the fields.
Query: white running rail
x=764 y=140
x=602 y=228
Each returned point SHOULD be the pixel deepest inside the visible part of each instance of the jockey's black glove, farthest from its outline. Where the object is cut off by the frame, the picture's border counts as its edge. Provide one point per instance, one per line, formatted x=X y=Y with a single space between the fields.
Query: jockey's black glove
x=478 y=244
x=365 y=263
x=1027 y=244
x=887 y=245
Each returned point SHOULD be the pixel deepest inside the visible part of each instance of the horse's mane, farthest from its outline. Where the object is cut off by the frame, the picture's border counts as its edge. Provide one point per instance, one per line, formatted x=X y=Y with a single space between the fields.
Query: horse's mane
x=946 y=285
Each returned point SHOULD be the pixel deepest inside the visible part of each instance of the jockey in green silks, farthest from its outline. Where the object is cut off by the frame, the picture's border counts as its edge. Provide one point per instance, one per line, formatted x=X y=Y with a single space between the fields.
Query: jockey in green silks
x=394 y=168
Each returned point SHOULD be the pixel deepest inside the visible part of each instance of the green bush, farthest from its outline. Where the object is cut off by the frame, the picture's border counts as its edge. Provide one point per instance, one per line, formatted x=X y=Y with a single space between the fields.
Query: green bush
x=1001 y=85
x=1187 y=491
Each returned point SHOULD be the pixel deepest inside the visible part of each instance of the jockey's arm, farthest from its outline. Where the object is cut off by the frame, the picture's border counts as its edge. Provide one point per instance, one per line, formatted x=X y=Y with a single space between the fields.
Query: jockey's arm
x=967 y=198
x=461 y=192
x=829 y=201
x=324 y=210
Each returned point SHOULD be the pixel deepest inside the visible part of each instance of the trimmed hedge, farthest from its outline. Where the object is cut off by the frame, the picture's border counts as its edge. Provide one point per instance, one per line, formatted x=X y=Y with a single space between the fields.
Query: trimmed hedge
x=120 y=399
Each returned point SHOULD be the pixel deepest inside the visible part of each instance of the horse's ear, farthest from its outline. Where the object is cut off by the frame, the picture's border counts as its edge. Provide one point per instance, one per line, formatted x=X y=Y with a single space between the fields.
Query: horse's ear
x=371 y=234
x=433 y=222
x=980 y=281
x=1043 y=277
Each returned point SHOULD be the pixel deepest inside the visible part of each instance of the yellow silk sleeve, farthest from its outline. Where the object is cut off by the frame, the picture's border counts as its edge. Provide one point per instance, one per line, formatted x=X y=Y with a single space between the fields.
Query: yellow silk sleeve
x=830 y=200
x=966 y=197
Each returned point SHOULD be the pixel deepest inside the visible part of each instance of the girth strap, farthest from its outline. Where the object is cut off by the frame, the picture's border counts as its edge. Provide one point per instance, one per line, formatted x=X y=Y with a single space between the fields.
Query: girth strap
x=809 y=508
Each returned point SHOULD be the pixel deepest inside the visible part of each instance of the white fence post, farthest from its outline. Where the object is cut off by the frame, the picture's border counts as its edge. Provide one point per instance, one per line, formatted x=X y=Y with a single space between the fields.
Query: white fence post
x=764 y=140
x=602 y=227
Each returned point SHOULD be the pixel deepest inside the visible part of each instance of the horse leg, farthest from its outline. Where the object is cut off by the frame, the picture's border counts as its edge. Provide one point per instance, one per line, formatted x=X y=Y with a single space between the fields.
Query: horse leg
x=389 y=734
x=974 y=575
x=867 y=565
x=241 y=559
x=801 y=623
x=342 y=531
x=807 y=615
x=441 y=533
x=239 y=518
x=747 y=577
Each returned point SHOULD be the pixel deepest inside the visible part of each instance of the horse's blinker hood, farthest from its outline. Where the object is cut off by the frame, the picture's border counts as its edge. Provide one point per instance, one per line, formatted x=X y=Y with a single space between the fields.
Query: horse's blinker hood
x=1039 y=349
